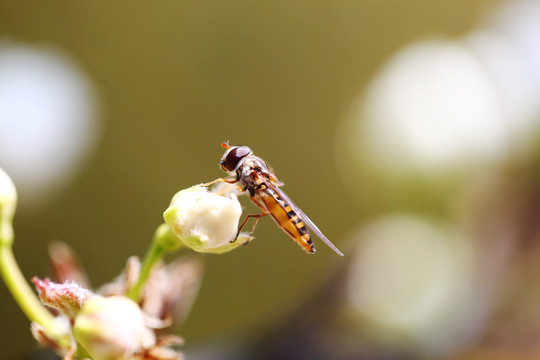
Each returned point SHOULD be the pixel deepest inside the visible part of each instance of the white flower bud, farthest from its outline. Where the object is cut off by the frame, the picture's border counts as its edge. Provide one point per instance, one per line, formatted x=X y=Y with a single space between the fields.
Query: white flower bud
x=205 y=221
x=8 y=202
x=111 y=328
x=8 y=196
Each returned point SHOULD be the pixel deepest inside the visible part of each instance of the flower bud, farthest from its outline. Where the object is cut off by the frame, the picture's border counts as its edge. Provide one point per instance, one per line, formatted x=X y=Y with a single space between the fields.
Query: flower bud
x=8 y=202
x=111 y=328
x=205 y=221
x=68 y=298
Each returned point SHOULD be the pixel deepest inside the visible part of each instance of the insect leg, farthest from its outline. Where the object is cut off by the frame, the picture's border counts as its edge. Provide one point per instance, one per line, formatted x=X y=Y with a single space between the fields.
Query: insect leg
x=218 y=180
x=256 y=216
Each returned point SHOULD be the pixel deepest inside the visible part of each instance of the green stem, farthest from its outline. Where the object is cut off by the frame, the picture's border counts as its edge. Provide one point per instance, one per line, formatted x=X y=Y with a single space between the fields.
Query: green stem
x=23 y=294
x=164 y=241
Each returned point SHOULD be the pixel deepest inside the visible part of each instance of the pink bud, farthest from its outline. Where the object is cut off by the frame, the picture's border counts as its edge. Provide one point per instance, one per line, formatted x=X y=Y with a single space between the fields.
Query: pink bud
x=67 y=298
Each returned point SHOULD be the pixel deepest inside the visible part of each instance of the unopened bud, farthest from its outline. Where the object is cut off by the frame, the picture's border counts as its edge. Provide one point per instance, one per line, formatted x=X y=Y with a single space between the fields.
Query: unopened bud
x=205 y=221
x=111 y=328
x=8 y=202
x=68 y=298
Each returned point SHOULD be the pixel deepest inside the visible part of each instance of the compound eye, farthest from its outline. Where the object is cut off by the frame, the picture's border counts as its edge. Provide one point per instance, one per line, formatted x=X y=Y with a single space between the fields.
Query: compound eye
x=233 y=157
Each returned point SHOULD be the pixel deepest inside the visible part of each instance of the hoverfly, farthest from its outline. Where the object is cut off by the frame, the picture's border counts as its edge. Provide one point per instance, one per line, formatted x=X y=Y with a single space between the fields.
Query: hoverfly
x=254 y=176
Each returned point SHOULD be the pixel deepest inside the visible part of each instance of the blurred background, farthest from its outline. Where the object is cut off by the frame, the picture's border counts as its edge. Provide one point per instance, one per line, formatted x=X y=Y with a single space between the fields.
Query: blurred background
x=406 y=129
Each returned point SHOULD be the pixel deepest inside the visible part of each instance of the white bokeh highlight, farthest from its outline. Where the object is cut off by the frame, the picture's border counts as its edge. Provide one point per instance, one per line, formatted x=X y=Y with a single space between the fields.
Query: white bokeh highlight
x=48 y=119
x=438 y=112
x=518 y=21
x=433 y=106
x=414 y=277
x=446 y=105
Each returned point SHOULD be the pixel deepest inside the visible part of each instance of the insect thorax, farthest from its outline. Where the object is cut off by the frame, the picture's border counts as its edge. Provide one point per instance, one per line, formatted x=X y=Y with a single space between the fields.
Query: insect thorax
x=252 y=173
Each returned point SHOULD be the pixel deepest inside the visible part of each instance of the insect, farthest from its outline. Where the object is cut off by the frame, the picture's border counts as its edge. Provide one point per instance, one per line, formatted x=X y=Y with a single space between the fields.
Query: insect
x=254 y=176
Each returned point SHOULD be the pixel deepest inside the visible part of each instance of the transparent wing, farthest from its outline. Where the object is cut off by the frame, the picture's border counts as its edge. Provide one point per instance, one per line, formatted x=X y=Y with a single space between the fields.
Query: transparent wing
x=305 y=219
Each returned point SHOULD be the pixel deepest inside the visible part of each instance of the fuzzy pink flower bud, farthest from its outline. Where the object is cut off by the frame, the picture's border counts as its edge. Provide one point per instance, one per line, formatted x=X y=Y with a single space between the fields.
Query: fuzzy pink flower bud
x=67 y=298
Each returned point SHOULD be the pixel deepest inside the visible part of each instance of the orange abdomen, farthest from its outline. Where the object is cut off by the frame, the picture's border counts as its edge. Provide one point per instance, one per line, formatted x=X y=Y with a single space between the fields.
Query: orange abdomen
x=286 y=218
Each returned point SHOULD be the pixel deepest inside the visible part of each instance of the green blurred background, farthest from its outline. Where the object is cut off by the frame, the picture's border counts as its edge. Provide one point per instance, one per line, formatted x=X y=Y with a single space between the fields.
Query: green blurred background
x=174 y=79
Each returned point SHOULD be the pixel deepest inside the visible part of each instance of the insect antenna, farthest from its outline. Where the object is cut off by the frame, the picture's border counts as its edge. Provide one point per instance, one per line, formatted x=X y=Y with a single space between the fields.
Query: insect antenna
x=225 y=145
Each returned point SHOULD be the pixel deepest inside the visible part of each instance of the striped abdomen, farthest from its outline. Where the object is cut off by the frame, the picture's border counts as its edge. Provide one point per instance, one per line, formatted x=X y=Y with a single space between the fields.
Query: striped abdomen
x=286 y=217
